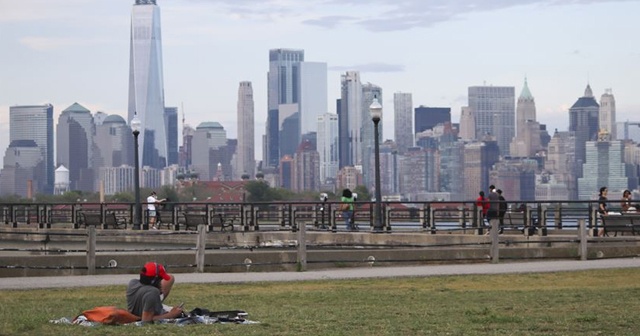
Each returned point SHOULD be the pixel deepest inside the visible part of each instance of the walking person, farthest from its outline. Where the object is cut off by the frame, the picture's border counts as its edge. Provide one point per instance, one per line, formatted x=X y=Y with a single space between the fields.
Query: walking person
x=347 y=208
x=502 y=209
x=483 y=204
x=602 y=207
x=152 y=201
x=494 y=205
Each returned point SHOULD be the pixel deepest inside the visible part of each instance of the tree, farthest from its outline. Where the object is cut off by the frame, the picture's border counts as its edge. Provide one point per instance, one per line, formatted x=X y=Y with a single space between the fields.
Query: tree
x=363 y=193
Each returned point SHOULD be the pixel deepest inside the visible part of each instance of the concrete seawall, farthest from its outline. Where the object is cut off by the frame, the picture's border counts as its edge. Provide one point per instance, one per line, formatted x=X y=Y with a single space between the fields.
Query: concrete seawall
x=56 y=252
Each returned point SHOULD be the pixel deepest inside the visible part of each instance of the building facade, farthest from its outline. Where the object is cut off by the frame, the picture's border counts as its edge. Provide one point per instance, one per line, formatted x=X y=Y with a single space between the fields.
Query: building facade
x=246 y=157
x=35 y=123
x=327 y=146
x=283 y=80
x=75 y=146
x=607 y=114
x=493 y=108
x=350 y=121
x=146 y=87
x=403 y=120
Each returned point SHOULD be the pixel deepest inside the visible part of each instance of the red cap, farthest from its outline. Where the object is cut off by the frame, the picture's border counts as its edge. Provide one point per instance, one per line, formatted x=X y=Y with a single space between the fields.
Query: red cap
x=152 y=269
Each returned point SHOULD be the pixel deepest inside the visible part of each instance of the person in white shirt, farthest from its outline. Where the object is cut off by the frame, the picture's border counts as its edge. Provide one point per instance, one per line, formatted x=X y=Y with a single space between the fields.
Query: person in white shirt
x=152 y=200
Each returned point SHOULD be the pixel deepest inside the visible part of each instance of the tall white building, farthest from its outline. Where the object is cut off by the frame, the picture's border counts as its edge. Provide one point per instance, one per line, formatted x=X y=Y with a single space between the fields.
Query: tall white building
x=350 y=119
x=245 y=158
x=607 y=116
x=527 y=140
x=327 y=145
x=313 y=95
x=146 y=88
x=467 y=124
x=117 y=179
x=403 y=117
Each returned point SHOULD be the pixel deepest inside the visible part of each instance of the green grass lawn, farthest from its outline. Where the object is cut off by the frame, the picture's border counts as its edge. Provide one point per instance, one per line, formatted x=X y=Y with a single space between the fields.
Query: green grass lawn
x=602 y=302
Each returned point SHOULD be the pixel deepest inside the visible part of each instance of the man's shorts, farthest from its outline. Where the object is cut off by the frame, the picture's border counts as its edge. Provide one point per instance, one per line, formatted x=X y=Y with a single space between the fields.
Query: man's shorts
x=152 y=213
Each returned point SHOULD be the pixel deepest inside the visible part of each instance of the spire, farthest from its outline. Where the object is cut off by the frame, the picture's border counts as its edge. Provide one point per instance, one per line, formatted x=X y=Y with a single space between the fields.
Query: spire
x=588 y=92
x=526 y=94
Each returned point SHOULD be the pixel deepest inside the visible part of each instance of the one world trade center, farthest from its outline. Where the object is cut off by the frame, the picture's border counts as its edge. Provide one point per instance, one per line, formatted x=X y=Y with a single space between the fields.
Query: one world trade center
x=146 y=89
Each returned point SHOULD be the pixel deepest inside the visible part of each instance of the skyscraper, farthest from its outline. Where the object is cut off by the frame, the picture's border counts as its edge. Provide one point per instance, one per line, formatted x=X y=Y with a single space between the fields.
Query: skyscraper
x=367 y=144
x=467 y=124
x=583 y=121
x=527 y=140
x=427 y=118
x=146 y=88
x=403 y=126
x=207 y=138
x=113 y=142
x=313 y=95
x=306 y=168
x=328 y=146
x=246 y=161
x=283 y=88
x=608 y=114
x=494 y=111
x=35 y=123
x=75 y=146
x=171 y=124
x=350 y=121
x=604 y=166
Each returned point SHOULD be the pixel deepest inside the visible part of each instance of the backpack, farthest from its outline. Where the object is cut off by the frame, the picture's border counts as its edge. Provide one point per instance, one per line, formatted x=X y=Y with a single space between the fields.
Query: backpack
x=109 y=315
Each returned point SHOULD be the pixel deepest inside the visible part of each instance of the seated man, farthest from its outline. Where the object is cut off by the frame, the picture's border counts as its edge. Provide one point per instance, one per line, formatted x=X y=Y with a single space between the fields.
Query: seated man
x=145 y=296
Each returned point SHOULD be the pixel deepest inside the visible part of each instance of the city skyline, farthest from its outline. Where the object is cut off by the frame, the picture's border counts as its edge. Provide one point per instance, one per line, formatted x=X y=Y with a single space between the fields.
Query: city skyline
x=434 y=51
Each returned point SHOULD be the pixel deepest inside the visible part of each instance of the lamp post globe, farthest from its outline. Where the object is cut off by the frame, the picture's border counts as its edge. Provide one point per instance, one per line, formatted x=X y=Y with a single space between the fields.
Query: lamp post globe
x=375 y=109
x=136 y=125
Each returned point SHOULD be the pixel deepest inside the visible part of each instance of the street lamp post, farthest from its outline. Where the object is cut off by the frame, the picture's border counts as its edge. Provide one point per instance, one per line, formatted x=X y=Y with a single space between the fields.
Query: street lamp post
x=376 y=114
x=137 y=213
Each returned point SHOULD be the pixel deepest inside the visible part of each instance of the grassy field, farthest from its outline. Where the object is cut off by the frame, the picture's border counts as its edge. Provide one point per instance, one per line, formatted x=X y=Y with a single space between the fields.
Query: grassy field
x=602 y=302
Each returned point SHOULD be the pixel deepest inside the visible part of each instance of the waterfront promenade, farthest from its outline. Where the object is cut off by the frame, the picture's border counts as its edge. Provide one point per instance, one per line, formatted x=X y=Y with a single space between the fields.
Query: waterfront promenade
x=15 y=283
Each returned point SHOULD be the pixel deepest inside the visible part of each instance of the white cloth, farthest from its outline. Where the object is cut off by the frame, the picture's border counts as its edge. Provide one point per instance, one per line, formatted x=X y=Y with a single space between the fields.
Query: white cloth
x=151 y=202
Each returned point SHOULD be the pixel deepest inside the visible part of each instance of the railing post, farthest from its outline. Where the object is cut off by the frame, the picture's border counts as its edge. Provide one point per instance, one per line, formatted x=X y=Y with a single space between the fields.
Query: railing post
x=432 y=219
x=542 y=227
x=422 y=217
x=302 y=248
x=292 y=218
x=592 y=224
x=478 y=220
x=557 y=218
x=254 y=219
x=386 y=220
x=462 y=218
x=200 y=247
x=208 y=210
x=14 y=216
x=582 y=235
x=333 y=222
x=91 y=250
x=495 y=240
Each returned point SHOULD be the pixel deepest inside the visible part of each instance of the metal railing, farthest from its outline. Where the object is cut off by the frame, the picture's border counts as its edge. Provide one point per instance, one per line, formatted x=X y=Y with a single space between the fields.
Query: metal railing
x=432 y=217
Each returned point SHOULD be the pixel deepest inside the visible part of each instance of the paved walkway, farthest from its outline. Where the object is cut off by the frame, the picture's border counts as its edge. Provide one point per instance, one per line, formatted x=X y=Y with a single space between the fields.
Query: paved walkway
x=342 y=273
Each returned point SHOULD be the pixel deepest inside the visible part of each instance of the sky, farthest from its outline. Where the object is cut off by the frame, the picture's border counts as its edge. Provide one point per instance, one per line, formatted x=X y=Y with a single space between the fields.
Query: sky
x=66 y=51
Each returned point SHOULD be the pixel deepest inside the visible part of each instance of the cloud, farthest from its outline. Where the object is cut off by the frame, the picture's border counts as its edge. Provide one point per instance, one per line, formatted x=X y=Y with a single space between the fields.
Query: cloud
x=50 y=43
x=330 y=21
x=403 y=15
x=37 y=10
x=370 y=67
